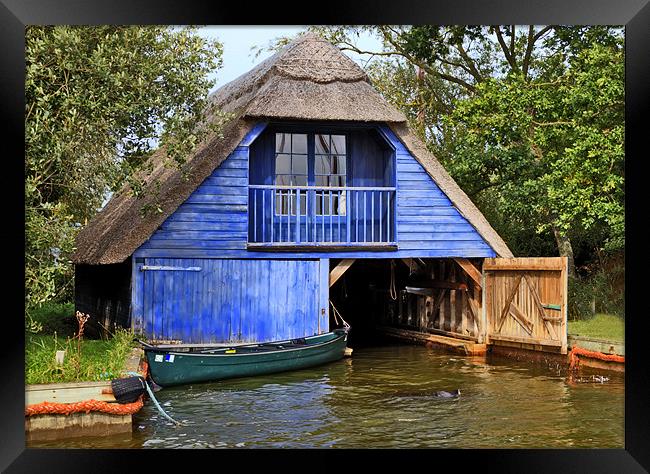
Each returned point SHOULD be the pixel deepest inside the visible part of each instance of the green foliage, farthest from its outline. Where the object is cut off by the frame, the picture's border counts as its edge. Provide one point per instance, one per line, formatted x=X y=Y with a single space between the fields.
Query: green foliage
x=552 y=150
x=56 y=318
x=99 y=99
x=98 y=360
x=527 y=119
x=600 y=291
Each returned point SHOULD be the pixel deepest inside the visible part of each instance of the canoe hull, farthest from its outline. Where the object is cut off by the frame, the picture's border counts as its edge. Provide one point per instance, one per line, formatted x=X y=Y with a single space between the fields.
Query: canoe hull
x=168 y=367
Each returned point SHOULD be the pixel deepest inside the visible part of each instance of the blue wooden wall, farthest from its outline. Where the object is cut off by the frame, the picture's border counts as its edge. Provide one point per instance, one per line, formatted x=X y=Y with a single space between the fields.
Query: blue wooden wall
x=244 y=295
x=231 y=300
x=213 y=222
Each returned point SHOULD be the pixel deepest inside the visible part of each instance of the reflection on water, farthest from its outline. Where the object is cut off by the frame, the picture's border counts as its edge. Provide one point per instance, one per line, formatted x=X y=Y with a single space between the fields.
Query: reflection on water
x=382 y=397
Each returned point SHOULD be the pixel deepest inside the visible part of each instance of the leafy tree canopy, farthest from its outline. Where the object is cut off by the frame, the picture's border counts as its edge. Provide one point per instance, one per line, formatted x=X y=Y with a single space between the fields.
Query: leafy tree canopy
x=98 y=101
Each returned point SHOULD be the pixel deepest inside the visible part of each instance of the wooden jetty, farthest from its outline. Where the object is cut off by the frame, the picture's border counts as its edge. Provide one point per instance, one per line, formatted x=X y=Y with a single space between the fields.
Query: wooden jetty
x=48 y=425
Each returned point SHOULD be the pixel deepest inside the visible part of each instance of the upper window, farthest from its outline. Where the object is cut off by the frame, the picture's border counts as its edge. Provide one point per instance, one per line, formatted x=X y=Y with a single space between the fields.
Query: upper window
x=291 y=159
x=316 y=160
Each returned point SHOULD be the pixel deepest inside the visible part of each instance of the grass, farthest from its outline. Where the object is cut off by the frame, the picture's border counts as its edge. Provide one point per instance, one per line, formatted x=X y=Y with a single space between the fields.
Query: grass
x=602 y=326
x=88 y=360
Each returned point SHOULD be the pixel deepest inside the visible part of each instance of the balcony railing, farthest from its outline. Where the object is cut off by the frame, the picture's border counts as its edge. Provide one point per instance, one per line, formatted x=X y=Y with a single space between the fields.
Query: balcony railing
x=313 y=216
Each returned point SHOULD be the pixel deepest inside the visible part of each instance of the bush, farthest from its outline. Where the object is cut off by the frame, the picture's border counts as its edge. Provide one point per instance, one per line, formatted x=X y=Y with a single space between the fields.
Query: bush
x=598 y=293
x=50 y=318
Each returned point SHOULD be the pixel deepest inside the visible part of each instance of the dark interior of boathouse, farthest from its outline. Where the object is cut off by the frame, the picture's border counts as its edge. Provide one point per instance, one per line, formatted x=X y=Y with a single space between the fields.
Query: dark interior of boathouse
x=424 y=295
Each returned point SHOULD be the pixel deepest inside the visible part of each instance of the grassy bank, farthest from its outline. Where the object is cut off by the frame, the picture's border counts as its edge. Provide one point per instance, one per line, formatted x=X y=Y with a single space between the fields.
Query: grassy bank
x=96 y=359
x=85 y=360
x=601 y=326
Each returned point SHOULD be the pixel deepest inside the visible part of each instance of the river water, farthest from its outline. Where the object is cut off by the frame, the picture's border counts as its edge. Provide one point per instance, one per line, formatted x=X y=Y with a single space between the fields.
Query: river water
x=381 y=398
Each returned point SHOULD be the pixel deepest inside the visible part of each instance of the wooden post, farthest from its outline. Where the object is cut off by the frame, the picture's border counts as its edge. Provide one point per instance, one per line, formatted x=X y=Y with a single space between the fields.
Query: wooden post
x=563 y=326
x=483 y=337
x=59 y=357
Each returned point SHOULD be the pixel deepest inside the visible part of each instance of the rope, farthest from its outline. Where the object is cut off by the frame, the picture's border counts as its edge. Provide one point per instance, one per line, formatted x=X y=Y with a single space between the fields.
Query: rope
x=162 y=412
x=338 y=315
x=50 y=408
x=86 y=406
x=392 y=290
x=576 y=351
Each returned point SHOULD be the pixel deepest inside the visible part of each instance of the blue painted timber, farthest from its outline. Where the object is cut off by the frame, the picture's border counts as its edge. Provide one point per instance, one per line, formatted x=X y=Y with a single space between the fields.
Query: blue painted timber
x=214 y=222
x=264 y=295
x=230 y=300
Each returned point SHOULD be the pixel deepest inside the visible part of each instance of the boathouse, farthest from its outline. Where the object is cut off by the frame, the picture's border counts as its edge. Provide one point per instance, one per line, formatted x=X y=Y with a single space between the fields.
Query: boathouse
x=315 y=196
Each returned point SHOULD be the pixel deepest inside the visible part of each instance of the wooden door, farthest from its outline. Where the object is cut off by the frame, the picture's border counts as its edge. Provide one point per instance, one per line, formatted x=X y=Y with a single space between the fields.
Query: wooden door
x=229 y=300
x=525 y=302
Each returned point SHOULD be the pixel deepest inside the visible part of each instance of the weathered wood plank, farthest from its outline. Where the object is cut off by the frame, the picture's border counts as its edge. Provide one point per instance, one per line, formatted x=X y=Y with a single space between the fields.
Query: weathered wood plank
x=506 y=305
x=68 y=392
x=538 y=304
x=338 y=271
x=525 y=340
x=521 y=318
x=532 y=263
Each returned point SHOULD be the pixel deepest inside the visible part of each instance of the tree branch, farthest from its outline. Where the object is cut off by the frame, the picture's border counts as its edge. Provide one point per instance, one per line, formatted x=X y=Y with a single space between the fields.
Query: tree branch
x=504 y=48
x=428 y=69
x=529 y=51
x=470 y=63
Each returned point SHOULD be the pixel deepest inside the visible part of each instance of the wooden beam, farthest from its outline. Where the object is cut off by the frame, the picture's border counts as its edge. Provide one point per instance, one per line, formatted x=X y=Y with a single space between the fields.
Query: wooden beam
x=521 y=264
x=68 y=392
x=521 y=318
x=340 y=269
x=540 y=308
x=506 y=307
x=473 y=306
x=448 y=285
x=470 y=269
x=412 y=264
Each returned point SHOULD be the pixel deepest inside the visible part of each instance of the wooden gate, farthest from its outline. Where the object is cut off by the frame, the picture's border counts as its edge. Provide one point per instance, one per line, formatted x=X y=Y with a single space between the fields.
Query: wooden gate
x=525 y=302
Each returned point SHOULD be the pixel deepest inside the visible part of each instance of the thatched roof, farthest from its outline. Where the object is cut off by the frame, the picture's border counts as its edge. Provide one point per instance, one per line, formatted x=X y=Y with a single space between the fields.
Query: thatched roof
x=309 y=79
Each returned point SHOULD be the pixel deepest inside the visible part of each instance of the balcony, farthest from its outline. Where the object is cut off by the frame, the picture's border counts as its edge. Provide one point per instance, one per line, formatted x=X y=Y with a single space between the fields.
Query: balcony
x=321 y=218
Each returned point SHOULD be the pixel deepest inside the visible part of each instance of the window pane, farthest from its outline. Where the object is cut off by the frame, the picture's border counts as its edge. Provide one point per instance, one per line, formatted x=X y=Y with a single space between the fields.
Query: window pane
x=299 y=143
x=283 y=180
x=299 y=164
x=283 y=143
x=283 y=164
x=299 y=180
x=323 y=165
x=338 y=144
x=322 y=144
x=339 y=164
x=321 y=181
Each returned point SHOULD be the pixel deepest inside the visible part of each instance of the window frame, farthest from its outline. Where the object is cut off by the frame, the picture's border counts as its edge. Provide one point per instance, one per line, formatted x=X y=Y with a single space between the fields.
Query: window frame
x=311 y=173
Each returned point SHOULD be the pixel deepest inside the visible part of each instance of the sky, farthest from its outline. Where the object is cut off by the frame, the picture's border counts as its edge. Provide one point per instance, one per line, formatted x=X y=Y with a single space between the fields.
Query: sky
x=238 y=57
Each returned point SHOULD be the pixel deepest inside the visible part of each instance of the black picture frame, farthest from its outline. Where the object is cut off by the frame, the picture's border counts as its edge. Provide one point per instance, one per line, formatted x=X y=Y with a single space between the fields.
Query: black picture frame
x=634 y=14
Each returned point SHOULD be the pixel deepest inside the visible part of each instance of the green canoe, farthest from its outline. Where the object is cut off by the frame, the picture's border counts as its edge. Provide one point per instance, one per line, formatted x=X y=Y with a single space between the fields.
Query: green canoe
x=184 y=364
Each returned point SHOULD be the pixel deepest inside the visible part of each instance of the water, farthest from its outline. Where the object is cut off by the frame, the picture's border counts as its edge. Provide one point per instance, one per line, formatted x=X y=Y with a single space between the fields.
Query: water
x=377 y=399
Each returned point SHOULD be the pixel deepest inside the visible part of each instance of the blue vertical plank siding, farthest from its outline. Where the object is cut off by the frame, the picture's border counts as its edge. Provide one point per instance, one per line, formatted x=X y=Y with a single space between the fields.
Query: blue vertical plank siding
x=324 y=297
x=231 y=300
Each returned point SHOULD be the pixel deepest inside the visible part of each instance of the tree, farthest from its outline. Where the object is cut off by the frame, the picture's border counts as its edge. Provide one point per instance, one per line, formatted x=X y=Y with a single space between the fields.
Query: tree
x=526 y=118
x=98 y=101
